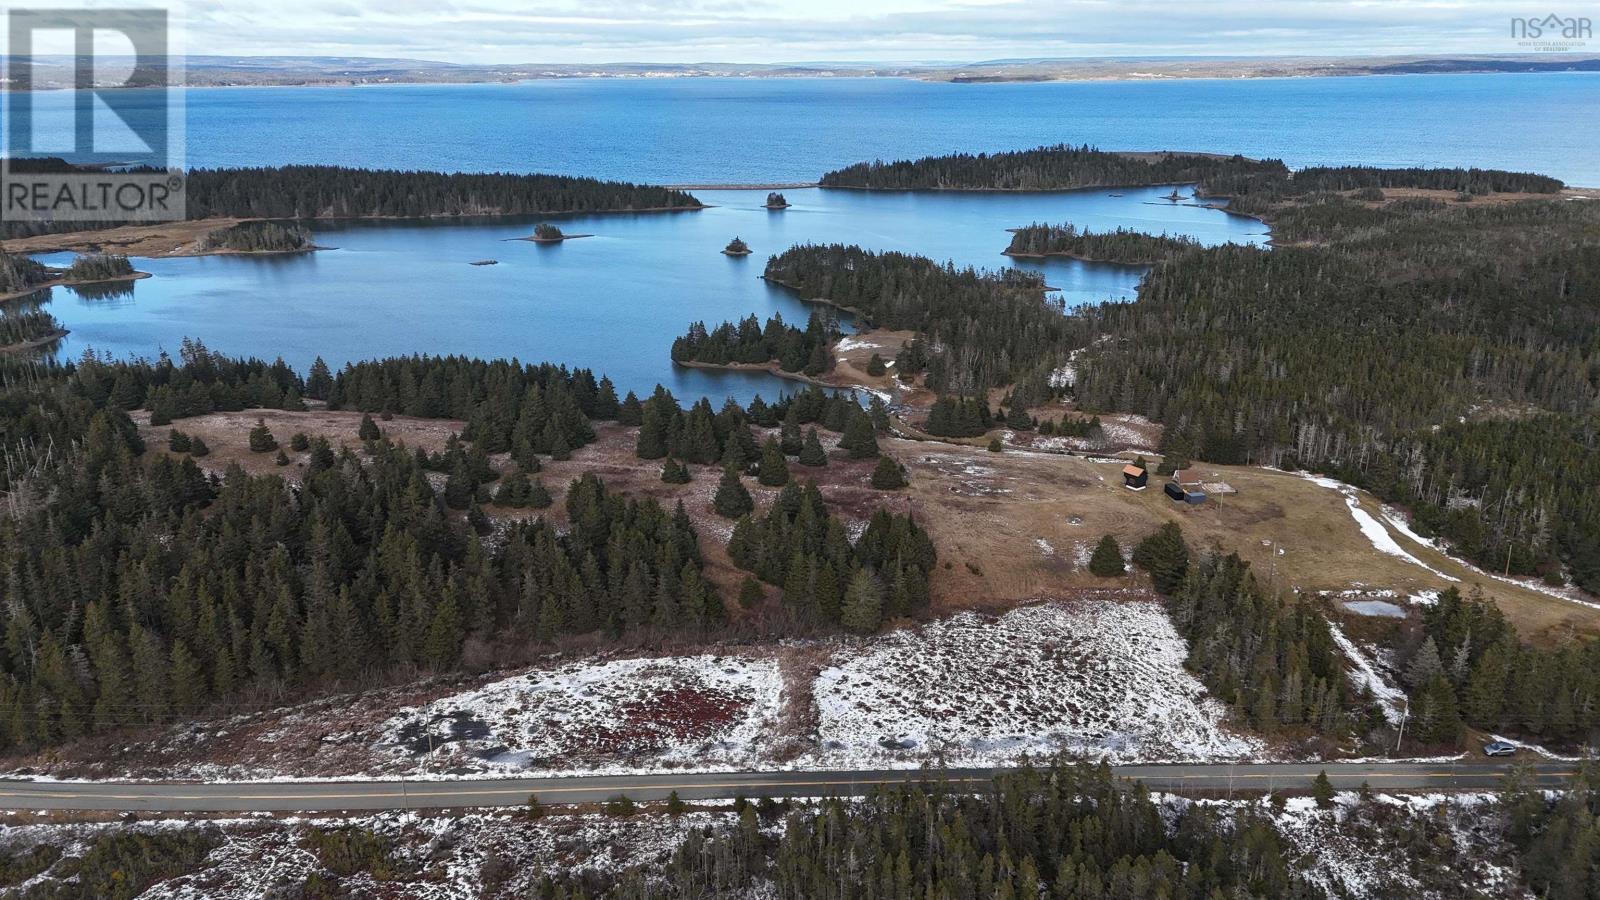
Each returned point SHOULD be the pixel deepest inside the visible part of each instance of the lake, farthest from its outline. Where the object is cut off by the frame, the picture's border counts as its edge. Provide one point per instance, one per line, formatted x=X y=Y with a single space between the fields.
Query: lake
x=612 y=302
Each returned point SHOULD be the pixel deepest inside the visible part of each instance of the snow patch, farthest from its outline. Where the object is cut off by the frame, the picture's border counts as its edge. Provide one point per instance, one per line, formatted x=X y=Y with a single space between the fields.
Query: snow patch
x=1096 y=677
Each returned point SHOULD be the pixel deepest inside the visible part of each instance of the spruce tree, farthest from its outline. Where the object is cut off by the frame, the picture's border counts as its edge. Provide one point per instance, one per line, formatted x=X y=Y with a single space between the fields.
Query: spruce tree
x=631 y=412
x=197 y=447
x=299 y=443
x=1165 y=556
x=750 y=593
x=888 y=475
x=177 y=441
x=282 y=458
x=261 y=439
x=862 y=610
x=539 y=495
x=876 y=367
x=319 y=381
x=674 y=472
x=811 y=452
x=369 y=429
x=1322 y=790
x=859 y=438
x=732 y=500
x=774 y=470
x=1106 y=561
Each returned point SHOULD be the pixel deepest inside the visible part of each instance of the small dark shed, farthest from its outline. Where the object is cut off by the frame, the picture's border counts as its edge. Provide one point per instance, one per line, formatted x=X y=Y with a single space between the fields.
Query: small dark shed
x=1134 y=478
x=1173 y=491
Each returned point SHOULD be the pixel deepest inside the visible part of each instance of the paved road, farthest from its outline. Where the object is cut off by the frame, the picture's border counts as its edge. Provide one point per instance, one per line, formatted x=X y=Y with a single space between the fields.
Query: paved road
x=330 y=796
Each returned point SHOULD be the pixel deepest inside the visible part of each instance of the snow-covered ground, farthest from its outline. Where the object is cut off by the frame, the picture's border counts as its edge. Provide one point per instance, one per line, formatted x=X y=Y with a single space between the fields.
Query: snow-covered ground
x=1418 y=846
x=1373 y=849
x=1100 y=677
x=654 y=712
x=1363 y=674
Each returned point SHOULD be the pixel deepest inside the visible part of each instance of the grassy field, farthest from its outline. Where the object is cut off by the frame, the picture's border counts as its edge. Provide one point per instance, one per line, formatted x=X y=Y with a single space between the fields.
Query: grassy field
x=1010 y=526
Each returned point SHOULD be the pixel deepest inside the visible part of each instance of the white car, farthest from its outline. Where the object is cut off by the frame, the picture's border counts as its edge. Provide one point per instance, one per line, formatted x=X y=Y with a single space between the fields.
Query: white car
x=1499 y=748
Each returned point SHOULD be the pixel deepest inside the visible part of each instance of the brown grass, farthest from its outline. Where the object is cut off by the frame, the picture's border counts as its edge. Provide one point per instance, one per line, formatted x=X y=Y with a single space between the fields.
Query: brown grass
x=1009 y=526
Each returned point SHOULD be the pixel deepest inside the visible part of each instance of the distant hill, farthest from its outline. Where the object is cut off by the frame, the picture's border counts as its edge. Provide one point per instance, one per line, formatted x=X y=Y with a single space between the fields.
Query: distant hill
x=214 y=71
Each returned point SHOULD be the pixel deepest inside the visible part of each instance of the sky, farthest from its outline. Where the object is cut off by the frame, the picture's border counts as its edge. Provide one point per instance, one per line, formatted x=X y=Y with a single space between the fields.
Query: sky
x=892 y=31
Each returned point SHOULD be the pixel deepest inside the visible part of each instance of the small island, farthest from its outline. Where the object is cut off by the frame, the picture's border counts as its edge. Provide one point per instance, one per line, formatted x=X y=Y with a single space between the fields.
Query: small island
x=21 y=276
x=1122 y=246
x=258 y=238
x=545 y=233
x=737 y=247
x=776 y=200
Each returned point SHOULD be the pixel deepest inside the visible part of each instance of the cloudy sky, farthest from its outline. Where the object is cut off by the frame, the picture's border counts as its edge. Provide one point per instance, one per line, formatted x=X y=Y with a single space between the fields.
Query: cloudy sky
x=757 y=31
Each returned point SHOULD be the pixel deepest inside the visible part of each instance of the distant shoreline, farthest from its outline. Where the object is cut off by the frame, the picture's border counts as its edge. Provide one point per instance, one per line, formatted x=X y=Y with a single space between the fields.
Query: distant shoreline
x=317 y=72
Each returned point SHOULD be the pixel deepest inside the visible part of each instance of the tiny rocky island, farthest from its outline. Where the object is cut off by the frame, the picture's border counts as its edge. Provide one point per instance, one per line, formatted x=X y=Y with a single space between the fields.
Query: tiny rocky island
x=545 y=233
x=737 y=247
x=776 y=200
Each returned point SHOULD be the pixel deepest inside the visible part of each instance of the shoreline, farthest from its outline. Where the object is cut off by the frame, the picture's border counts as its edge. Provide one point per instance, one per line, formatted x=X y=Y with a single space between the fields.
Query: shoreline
x=171 y=240
x=744 y=186
x=1088 y=259
x=539 y=240
x=36 y=343
x=771 y=368
x=62 y=282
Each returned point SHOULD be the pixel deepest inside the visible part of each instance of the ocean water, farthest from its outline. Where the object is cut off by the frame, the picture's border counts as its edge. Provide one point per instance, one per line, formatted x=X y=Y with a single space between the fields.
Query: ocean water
x=612 y=302
x=743 y=131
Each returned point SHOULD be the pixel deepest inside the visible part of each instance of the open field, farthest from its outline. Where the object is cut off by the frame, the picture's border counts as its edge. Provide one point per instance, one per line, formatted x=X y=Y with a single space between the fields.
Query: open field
x=1010 y=526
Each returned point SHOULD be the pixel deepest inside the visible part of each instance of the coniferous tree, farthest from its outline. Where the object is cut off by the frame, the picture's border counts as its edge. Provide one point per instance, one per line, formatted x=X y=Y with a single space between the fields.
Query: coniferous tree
x=862 y=610
x=732 y=500
x=261 y=439
x=859 y=438
x=1106 y=561
x=774 y=469
x=369 y=429
x=1322 y=790
x=674 y=472
x=177 y=441
x=539 y=495
x=888 y=475
x=1165 y=556
x=811 y=452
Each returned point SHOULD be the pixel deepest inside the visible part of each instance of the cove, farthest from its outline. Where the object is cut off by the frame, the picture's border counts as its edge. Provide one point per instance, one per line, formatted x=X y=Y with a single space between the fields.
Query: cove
x=612 y=302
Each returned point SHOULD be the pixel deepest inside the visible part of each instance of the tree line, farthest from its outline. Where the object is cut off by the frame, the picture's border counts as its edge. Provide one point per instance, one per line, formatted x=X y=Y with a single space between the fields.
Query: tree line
x=828 y=580
x=341 y=192
x=1443 y=355
x=1123 y=245
x=750 y=343
x=1272 y=659
x=331 y=192
x=1468 y=667
x=258 y=237
x=1052 y=168
x=980 y=329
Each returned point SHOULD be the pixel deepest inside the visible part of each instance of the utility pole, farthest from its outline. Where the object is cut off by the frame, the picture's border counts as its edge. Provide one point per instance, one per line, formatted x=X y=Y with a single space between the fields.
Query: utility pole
x=1405 y=714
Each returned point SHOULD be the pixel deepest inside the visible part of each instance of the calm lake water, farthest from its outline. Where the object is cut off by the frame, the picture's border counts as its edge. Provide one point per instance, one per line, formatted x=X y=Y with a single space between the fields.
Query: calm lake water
x=612 y=302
